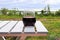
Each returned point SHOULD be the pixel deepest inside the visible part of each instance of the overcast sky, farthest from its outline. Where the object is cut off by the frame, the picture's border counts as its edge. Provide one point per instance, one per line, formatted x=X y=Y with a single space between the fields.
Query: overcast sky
x=30 y=4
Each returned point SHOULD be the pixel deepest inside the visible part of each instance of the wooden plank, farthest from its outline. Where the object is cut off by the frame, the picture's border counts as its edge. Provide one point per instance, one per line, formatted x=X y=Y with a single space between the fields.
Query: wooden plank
x=18 y=34
x=3 y=23
x=40 y=27
x=29 y=30
x=18 y=28
x=7 y=28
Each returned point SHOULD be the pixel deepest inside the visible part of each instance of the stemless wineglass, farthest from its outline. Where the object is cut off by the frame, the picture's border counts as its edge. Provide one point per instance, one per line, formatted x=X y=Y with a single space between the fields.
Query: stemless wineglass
x=29 y=18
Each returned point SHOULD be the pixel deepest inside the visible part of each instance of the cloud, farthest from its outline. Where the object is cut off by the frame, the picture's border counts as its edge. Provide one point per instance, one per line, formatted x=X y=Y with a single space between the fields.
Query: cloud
x=52 y=2
x=29 y=3
x=37 y=1
x=11 y=1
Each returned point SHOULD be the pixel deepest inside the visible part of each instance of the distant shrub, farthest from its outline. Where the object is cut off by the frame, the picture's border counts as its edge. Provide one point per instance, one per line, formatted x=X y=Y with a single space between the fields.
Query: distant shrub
x=58 y=13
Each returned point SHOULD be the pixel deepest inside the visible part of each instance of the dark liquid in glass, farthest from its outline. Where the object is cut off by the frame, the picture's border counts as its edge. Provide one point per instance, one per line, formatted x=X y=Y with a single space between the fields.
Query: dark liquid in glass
x=29 y=21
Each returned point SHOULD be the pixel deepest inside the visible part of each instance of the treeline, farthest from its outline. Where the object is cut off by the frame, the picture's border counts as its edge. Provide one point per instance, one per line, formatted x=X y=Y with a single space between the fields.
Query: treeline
x=47 y=12
x=44 y=12
x=5 y=11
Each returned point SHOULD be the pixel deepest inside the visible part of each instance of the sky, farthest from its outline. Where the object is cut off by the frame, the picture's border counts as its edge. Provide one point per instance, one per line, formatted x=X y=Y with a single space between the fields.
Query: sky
x=30 y=4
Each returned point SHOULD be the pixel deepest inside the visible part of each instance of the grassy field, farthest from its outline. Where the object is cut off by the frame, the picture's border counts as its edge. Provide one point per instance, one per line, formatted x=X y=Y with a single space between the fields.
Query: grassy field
x=52 y=23
x=12 y=17
x=53 y=26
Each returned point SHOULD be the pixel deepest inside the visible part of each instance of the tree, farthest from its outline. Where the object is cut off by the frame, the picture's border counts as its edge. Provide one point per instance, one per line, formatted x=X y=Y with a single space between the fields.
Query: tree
x=20 y=13
x=42 y=12
x=36 y=13
x=10 y=13
x=4 y=11
x=48 y=9
x=58 y=13
x=14 y=11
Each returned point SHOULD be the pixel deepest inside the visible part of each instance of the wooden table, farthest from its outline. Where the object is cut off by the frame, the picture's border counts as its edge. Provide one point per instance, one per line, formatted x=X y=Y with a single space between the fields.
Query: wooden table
x=16 y=28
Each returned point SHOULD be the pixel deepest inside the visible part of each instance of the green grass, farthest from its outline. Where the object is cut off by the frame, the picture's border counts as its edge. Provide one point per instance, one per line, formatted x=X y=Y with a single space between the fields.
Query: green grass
x=37 y=38
x=12 y=17
x=52 y=23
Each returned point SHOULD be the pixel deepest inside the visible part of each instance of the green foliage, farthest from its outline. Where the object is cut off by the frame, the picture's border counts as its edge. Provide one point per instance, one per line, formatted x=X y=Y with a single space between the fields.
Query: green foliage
x=52 y=14
x=37 y=38
x=58 y=13
x=4 y=11
x=45 y=12
x=14 y=12
x=48 y=7
x=10 y=38
x=10 y=13
x=51 y=37
x=42 y=12
x=20 y=13
x=11 y=17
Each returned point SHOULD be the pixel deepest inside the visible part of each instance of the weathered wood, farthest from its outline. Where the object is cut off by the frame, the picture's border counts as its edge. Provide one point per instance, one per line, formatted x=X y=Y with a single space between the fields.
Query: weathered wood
x=23 y=37
x=18 y=28
x=3 y=23
x=40 y=27
x=15 y=28
x=7 y=27
x=41 y=34
x=29 y=30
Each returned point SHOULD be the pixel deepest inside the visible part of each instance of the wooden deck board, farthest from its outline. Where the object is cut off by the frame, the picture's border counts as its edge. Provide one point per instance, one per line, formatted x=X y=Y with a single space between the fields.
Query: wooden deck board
x=18 y=28
x=7 y=27
x=29 y=30
x=12 y=27
x=3 y=23
x=15 y=28
x=40 y=27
